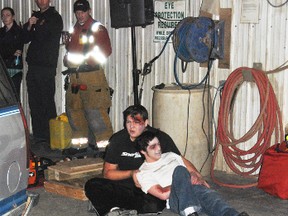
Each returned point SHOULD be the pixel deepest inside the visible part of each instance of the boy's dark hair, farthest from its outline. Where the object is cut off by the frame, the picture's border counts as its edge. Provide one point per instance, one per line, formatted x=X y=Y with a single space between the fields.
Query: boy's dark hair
x=133 y=111
x=144 y=139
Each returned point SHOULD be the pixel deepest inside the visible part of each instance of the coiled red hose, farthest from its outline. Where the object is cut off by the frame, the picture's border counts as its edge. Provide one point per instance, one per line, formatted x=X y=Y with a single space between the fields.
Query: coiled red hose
x=267 y=124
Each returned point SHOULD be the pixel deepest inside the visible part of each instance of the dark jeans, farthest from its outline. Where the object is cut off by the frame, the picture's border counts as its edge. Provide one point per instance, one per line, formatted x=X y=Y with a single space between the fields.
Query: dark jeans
x=184 y=195
x=41 y=91
x=105 y=194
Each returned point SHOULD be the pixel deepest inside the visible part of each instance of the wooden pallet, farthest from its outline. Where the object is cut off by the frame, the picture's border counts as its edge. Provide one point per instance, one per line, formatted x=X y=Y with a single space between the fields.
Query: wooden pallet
x=74 y=169
x=68 y=178
x=73 y=188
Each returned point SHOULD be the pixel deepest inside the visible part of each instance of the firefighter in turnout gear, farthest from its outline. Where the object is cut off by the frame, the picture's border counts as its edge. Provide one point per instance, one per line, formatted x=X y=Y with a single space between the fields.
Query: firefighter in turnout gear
x=88 y=94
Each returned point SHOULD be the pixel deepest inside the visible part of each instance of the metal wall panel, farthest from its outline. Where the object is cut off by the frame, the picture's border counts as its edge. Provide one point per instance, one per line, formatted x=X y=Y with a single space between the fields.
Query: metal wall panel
x=265 y=42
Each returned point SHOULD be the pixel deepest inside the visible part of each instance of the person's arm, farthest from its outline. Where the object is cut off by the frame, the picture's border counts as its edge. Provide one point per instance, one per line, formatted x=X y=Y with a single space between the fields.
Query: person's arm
x=196 y=177
x=103 y=41
x=112 y=172
x=160 y=192
x=32 y=21
x=27 y=29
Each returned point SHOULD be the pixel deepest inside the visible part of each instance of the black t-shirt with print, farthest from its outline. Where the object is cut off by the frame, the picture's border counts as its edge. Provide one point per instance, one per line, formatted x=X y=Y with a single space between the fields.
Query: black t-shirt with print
x=121 y=150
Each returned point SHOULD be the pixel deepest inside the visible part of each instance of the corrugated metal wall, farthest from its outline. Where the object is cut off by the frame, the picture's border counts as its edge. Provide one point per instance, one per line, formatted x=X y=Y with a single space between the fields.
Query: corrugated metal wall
x=265 y=42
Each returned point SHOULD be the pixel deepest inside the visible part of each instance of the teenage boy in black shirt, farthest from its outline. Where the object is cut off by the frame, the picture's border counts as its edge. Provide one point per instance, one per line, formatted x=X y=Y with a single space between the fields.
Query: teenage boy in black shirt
x=119 y=187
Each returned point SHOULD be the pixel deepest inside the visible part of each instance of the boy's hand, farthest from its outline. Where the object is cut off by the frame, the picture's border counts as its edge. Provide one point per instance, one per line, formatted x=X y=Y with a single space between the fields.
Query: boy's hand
x=198 y=180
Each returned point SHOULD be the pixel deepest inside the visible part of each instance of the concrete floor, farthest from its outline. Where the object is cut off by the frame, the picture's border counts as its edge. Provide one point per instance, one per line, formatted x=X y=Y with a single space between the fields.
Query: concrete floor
x=252 y=200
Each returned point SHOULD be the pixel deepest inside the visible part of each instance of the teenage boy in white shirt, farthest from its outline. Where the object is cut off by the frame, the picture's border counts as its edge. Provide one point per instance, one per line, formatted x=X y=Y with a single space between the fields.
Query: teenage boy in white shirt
x=167 y=177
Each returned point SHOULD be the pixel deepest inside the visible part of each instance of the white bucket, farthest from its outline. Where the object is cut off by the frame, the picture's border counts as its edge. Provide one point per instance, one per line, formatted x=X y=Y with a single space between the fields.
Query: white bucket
x=180 y=114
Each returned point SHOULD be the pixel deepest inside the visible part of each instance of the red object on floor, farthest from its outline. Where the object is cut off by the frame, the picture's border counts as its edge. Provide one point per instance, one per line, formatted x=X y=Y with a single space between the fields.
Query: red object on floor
x=38 y=184
x=33 y=168
x=37 y=165
x=273 y=176
x=283 y=147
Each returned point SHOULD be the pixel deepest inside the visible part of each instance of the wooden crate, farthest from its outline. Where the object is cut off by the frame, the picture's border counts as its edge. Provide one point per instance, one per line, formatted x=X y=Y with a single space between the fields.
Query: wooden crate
x=68 y=178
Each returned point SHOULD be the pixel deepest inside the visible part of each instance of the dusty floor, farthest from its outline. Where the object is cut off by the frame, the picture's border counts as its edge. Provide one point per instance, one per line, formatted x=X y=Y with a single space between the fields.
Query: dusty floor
x=252 y=200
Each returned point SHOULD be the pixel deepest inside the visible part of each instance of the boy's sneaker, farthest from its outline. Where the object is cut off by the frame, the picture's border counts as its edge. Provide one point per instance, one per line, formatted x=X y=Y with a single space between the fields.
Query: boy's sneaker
x=193 y=214
x=115 y=211
x=243 y=214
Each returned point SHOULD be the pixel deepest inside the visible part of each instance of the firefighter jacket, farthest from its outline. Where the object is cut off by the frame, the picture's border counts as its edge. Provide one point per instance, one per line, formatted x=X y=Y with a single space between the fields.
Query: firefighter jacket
x=78 y=45
x=44 y=38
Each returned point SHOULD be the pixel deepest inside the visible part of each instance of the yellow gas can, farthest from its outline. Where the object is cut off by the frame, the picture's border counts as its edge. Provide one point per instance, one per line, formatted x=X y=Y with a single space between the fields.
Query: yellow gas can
x=60 y=132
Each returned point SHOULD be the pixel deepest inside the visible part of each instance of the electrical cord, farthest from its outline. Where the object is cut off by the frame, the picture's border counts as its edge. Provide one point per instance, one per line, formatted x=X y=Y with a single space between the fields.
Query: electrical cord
x=268 y=120
x=277 y=5
x=218 y=91
x=206 y=133
x=148 y=66
x=187 y=122
x=209 y=113
x=179 y=42
x=278 y=69
x=192 y=85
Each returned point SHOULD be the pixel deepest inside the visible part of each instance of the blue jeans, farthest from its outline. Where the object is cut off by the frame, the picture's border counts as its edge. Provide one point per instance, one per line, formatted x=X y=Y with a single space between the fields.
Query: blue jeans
x=184 y=195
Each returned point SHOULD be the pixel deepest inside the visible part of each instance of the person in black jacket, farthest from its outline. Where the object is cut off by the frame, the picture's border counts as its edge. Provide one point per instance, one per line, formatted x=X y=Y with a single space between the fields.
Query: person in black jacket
x=11 y=46
x=43 y=31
